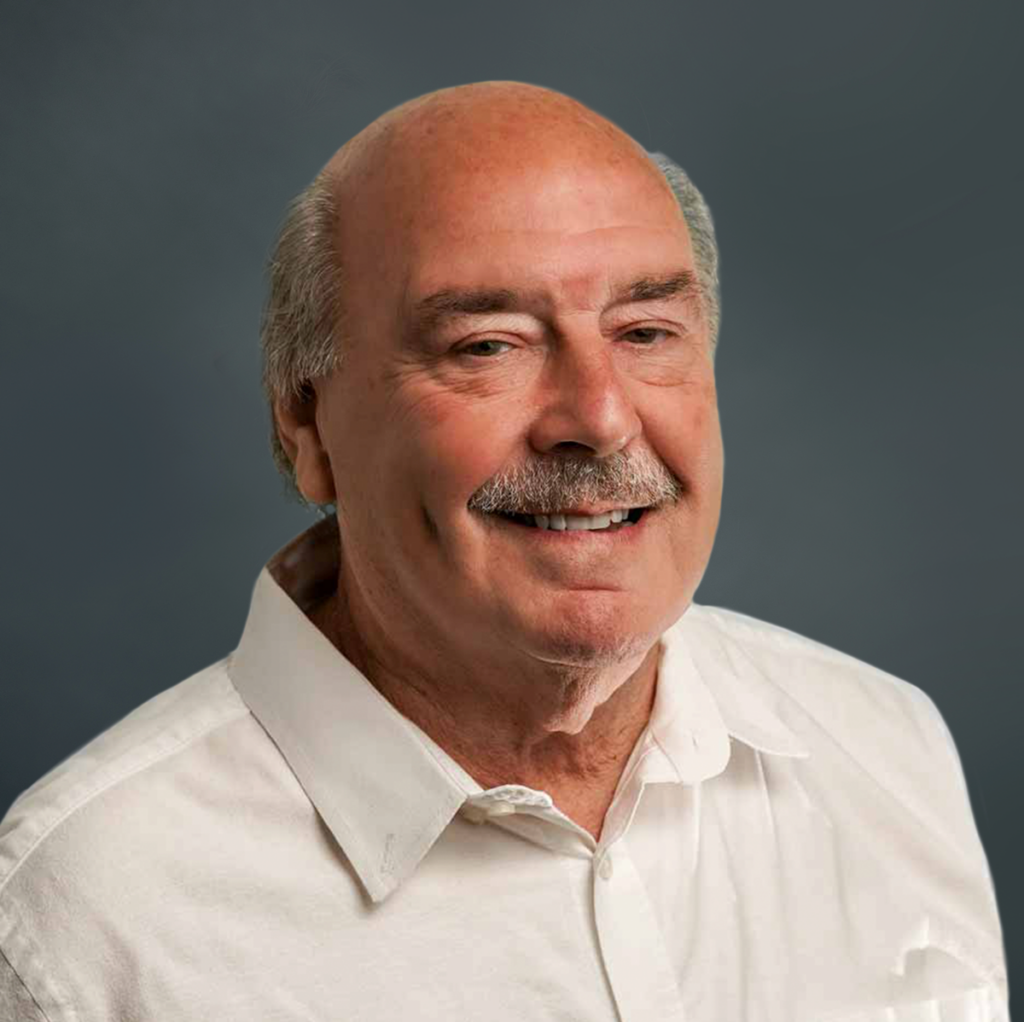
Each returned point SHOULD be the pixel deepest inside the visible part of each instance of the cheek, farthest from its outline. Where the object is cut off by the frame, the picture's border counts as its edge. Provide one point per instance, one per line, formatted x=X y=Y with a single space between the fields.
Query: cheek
x=687 y=436
x=454 y=444
x=709 y=453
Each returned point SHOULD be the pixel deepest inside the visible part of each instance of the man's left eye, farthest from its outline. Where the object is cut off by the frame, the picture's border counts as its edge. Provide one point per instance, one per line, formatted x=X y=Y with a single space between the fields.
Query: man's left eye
x=465 y=350
x=647 y=330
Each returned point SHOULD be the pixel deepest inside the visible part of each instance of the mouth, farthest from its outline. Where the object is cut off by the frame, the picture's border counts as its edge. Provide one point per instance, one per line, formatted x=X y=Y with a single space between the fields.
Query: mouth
x=550 y=528
x=550 y=523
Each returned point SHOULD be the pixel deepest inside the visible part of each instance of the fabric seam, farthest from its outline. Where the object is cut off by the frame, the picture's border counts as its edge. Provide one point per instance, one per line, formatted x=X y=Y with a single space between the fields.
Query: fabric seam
x=96 y=792
x=25 y=986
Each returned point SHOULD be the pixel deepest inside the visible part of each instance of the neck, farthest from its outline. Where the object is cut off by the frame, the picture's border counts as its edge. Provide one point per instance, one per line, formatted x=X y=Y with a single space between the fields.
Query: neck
x=568 y=732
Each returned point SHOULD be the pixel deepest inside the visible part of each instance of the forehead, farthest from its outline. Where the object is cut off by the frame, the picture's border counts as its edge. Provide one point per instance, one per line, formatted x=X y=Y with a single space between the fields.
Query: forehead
x=565 y=227
x=554 y=195
x=544 y=269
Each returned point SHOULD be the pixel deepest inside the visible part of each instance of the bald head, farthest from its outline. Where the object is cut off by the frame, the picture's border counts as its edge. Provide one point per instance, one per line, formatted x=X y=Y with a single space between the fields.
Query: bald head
x=467 y=122
x=458 y=159
x=473 y=136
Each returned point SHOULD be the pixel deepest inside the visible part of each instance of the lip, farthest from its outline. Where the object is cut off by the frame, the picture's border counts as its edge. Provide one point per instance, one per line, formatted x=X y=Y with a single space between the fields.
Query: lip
x=624 y=536
x=594 y=513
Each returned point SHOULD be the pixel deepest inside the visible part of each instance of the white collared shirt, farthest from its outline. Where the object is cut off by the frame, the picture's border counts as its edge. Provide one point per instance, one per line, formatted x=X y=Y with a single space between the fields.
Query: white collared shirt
x=271 y=840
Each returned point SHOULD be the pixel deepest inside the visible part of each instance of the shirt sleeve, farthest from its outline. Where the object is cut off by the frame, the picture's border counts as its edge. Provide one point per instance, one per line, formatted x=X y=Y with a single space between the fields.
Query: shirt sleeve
x=966 y=827
x=953 y=769
x=16 y=1003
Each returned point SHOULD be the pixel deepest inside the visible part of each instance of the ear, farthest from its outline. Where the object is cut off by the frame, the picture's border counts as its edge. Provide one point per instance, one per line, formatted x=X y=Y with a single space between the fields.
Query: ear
x=299 y=433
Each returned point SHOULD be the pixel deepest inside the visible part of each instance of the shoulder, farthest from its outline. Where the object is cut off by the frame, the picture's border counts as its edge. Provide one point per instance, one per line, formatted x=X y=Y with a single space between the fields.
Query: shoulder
x=871 y=737
x=73 y=844
x=865 y=728
x=881 y=776
x=834 y=688
x=117 y=761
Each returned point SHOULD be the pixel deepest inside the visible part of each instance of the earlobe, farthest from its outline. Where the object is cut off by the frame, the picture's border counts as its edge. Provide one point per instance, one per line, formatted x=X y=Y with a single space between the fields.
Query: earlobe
x=300 y=437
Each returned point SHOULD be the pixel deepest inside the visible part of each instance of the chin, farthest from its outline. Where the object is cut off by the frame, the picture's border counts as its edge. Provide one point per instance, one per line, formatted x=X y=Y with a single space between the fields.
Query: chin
x=591 y=640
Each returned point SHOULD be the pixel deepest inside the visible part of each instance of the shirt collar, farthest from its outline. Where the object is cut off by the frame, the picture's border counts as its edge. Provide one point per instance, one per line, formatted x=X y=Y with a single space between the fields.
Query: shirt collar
x=386 y=811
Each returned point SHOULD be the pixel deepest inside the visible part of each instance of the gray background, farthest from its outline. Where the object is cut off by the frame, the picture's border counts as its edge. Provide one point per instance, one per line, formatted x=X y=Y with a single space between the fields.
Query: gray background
x=864 y=165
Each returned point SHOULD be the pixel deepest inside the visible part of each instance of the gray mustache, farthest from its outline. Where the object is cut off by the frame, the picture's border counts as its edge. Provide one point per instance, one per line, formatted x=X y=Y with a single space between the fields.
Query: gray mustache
x=622 y=483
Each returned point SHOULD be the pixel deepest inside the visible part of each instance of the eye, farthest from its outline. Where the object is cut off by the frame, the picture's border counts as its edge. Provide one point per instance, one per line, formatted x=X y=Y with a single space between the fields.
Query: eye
x=465 y=350
x=646 y=336
x=645 y=333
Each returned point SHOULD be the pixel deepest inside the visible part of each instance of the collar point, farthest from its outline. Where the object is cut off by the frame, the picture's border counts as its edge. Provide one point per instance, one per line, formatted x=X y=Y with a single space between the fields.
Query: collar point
x=777 y=744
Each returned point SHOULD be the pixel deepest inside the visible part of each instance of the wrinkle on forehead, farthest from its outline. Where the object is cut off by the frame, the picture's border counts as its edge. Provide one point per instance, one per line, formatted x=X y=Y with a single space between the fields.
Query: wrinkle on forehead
x=511 y=256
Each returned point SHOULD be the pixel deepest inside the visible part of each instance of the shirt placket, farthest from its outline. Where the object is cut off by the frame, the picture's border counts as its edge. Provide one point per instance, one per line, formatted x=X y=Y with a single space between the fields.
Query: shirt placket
x=633 y=950
x=632 y=946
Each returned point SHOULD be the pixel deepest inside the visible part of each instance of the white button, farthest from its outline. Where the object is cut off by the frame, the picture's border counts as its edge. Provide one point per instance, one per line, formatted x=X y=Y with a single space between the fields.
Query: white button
x=475 y=814
x=605 y=868
x=480 y=811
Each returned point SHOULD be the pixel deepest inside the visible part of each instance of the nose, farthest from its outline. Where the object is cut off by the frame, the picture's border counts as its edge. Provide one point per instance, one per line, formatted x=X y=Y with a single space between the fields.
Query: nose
x=585 y=402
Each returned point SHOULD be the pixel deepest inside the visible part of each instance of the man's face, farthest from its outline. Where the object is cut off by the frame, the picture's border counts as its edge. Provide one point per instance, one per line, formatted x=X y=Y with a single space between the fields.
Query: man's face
x=430 y=415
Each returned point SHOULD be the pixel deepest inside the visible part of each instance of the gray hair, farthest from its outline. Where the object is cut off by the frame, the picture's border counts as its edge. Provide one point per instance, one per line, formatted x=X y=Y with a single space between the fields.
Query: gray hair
x=303 y=318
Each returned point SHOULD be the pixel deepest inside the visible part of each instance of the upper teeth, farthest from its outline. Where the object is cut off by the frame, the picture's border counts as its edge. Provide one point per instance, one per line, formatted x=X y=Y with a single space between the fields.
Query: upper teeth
x=581 y=521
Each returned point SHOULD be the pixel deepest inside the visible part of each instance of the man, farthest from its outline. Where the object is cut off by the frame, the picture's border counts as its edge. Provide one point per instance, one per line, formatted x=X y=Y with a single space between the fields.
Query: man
x=478 y=753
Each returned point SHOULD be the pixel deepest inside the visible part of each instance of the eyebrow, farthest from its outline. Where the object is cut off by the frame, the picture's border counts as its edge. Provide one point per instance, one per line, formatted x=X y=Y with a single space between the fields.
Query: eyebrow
x=449 y=303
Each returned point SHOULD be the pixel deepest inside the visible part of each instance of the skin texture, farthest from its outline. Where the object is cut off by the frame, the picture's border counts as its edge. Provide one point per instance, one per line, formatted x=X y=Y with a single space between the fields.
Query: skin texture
x=529 y=662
